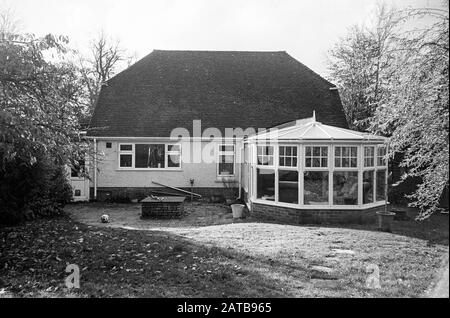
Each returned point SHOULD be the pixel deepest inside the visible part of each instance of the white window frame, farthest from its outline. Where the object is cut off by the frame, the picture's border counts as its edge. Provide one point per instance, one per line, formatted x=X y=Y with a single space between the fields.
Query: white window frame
x=172 y=152
x=373 y=157
x=226 y=153
x=349 y=158
x=321 y=168
x=133 y=156
x=378 y=157
x=278 y=167
x=274 y=156
x=288 y=156
x=126 y=152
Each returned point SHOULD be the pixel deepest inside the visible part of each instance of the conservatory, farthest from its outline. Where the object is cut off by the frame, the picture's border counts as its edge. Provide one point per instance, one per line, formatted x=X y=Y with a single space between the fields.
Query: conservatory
x=307 y=171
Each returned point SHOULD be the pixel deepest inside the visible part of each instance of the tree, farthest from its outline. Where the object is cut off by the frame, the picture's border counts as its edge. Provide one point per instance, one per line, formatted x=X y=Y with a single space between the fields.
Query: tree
x=361 y=63
x=103 y=62
x=9 y=24
x=415 y=109
x=39 y=107
x=394 y=81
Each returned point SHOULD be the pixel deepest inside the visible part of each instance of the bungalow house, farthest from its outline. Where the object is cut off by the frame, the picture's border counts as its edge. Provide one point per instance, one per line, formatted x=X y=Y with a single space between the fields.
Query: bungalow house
x=259 y=123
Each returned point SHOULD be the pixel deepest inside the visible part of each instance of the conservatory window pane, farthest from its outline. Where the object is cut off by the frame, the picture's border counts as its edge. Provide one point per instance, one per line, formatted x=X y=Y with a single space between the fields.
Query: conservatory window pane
x=316 y=187
x=369 y=153
x=381 y=185
x=265 y=184
x=288 y=156
x=345 y=187
x=381 y=161
x=346 y=157
x=368 y=179
x=316 y=157
x=288 y=186
x=265 y=155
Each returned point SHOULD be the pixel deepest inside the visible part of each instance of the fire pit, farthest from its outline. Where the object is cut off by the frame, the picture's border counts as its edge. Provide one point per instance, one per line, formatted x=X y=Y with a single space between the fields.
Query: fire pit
x=162 y=207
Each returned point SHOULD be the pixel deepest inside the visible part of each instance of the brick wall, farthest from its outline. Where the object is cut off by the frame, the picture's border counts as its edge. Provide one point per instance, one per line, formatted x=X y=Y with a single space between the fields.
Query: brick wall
x=298 y=216
x=162 y=210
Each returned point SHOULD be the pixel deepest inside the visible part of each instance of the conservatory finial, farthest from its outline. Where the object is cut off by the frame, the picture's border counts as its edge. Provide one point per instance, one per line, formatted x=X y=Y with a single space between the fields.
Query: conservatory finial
x=314 y=115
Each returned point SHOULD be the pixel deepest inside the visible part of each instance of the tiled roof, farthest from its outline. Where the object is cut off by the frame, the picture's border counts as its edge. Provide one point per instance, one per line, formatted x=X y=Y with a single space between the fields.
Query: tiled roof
x=170 y=89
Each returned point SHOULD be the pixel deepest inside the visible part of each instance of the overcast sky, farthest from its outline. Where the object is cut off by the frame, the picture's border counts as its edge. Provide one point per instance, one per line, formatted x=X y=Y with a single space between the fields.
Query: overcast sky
x=306 y=29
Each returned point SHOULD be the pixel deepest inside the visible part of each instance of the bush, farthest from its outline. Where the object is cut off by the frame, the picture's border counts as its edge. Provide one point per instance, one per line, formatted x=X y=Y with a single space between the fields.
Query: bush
x=31 y=190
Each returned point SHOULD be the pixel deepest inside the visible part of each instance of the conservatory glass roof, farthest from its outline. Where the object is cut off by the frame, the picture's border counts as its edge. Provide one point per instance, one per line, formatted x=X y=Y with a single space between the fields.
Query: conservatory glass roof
x=310 y=129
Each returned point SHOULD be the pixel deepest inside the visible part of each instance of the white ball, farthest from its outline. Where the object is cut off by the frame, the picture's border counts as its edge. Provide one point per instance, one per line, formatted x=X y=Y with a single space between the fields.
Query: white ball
x=105 y=218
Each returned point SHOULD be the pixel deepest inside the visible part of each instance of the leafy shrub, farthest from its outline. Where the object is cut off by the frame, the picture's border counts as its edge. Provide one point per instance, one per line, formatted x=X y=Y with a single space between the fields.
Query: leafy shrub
x=31 y=190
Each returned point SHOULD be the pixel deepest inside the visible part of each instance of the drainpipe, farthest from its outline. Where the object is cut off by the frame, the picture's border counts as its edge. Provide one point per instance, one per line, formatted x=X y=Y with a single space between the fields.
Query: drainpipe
x=95 y=169
x=239 y=172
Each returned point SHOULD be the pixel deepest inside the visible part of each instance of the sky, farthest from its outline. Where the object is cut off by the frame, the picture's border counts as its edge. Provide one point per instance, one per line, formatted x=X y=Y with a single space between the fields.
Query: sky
x=306 y=29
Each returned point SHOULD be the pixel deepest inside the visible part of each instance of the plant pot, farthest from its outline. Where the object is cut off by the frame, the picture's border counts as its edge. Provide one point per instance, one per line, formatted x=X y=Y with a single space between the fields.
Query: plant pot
x=238 y=210
x=385 y=220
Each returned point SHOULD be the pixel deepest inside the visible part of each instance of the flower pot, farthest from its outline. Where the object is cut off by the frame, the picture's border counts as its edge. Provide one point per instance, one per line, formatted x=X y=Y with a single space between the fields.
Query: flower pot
x=238 y=210
x=385 y=220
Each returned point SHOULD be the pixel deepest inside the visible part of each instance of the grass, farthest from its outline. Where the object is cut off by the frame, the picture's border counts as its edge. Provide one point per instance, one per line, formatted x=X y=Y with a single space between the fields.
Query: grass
x=226 y=259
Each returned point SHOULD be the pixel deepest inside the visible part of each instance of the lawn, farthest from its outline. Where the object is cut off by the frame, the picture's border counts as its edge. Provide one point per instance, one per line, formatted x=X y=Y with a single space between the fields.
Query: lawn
x=208 y=255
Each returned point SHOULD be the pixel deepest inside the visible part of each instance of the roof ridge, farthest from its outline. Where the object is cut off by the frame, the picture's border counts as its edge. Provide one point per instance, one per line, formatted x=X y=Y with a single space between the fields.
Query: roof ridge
x=219 y=51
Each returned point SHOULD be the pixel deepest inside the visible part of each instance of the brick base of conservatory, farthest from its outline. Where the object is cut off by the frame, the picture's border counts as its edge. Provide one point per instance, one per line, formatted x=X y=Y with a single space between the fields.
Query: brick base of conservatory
x=319 y=216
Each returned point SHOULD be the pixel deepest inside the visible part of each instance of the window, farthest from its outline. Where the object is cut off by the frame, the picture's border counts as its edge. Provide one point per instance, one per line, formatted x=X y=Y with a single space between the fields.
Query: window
x=125 y=155
x=174 y=156
x=288 y=186
x=345 y=187
x=316 y=188
x=345 y=157
x=369 y=153
x=381 y=153
x=368 y=183
x=108 y=145
x=226 y=160
x=287 y=156
x=150 y=156
x=316 y=157
x=265 y=184
x=381 y=185
x=126 y=147
x=78 y=169
x=265 y=155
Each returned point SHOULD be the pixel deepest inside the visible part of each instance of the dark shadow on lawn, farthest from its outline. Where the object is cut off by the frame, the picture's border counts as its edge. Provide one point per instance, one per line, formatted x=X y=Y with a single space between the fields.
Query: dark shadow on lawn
x=122 y=263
